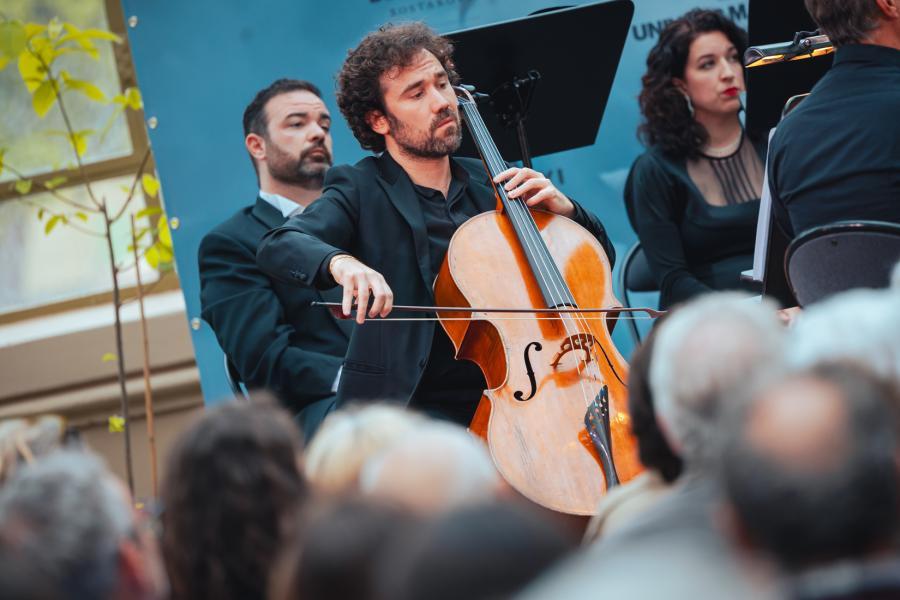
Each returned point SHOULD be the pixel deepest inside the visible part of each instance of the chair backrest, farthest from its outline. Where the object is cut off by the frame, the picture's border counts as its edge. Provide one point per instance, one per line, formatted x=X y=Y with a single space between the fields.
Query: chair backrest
x=635 y=276
x=826 y=260
x=234 y=380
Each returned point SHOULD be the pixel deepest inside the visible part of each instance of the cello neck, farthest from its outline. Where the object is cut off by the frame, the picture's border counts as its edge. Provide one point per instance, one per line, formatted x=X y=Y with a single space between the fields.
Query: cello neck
x=550 y=281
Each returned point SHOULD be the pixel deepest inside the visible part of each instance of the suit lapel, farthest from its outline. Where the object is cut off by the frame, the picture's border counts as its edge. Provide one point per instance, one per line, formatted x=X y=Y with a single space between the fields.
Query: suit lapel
x=267 y=214
x=399 y=190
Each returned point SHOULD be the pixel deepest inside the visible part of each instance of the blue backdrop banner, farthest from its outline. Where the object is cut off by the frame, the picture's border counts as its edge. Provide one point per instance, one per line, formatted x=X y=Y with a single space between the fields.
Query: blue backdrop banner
x=199 y=63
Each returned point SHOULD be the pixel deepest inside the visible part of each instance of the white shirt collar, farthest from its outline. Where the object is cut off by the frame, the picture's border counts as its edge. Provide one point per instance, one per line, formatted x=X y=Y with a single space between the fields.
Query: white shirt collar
x=283 y=205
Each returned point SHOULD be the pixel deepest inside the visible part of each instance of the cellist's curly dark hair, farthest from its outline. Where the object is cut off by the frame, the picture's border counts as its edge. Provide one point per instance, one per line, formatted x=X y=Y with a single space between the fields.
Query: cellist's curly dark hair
x=668 y=124
x=358 y=86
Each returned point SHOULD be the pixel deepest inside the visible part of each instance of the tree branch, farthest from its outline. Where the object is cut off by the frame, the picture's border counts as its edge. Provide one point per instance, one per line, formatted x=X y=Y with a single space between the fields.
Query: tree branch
x=134 y=183
x=65 y=115
x=53 y=192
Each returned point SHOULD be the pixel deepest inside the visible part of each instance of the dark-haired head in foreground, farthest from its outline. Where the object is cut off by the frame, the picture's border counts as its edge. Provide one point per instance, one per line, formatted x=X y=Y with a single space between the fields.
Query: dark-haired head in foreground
x=232 y=484
x=334 y=549
x=484 y=551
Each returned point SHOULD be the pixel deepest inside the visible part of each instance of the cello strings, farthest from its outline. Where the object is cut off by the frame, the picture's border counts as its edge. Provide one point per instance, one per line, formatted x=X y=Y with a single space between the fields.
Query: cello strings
x=521 y=215
x=515 y=211
x=530 y=229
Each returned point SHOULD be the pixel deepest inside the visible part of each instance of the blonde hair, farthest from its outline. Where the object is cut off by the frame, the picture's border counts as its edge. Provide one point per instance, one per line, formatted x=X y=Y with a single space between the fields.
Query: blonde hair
x=348 y=438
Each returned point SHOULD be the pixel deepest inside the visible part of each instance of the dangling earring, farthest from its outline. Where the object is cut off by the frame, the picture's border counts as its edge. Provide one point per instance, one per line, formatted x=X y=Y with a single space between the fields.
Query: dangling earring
x=690 y=105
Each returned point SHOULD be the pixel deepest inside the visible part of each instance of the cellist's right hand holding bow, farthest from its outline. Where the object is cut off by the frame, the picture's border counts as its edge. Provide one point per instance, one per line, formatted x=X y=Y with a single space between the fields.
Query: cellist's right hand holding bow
x=361 y=282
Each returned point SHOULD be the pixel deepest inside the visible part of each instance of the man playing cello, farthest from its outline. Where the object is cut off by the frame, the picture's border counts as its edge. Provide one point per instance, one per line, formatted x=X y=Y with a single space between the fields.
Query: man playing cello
x=390 y=217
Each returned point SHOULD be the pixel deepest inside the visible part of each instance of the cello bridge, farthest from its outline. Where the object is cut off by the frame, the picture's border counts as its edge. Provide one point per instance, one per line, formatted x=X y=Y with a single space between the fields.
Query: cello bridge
x=579 y=341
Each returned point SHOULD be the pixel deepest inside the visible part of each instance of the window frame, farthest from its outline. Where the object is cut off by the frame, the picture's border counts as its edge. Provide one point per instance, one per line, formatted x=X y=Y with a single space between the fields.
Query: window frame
x=101 y=170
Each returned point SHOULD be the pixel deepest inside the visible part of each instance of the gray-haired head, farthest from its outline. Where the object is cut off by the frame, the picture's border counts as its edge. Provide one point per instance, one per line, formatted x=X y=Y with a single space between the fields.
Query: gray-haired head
x=809 y=465
x=704 y=353
x=861 y=326
x=62 y=520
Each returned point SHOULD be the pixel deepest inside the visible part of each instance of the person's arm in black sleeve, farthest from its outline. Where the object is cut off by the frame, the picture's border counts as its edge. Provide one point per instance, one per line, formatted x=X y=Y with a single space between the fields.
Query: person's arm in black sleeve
x=248 y=319
x=657 y=207
x=589 y=221
x=299 y=251
x=779 y=210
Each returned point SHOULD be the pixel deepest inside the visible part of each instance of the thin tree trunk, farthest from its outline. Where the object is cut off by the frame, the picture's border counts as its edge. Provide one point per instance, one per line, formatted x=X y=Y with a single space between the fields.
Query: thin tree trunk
x=148 y=392
x=120 y=354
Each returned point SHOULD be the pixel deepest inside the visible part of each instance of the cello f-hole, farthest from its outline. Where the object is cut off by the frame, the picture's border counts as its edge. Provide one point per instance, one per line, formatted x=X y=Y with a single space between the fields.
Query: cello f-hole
x=530 y=370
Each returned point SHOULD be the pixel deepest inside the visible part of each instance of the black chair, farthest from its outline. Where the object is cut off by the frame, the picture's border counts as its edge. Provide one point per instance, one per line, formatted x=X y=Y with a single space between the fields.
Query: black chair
x=234 y=380
x=635 y=276
x=841 y=256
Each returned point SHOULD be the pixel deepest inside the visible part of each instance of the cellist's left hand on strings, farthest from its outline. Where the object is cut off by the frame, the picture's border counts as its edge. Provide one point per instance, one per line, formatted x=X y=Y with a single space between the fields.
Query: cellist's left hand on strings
x=536 y=190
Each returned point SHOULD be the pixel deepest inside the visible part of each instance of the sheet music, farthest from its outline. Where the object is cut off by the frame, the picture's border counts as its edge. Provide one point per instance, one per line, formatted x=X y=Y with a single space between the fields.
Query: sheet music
x=762 y=224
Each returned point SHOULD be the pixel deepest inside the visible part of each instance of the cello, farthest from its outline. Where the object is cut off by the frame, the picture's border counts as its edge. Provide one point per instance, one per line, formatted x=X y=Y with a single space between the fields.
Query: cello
x=555 y=414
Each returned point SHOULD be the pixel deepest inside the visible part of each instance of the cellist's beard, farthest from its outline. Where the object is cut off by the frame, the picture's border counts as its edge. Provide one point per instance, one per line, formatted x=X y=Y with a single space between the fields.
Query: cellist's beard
x=430 y=144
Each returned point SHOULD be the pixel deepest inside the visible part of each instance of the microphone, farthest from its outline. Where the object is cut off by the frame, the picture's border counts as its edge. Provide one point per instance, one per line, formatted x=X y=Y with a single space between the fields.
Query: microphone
x=806 y=44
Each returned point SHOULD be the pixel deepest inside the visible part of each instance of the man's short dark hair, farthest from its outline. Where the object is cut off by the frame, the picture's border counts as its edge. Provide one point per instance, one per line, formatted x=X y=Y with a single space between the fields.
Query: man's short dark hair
x=255 y=119
x=808 y=516
x=358 y=85
x=844 y=21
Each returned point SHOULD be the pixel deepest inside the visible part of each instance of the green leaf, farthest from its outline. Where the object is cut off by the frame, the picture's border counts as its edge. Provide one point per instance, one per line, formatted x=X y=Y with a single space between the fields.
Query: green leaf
x=79 y=140
x=133 y=99
x=152 y=256
x=163 y=234
x=116 y=424
x=108 y=357
x=56 y=182
x=43 y=98
x=52 y=223
x=100 y=34
x=41 y=212
x=82 y=216
x=146 y=212
x=31 y=70
x=150 y=185
x=33 y=29
x=23 y=186
x=12 y=39
x=4 y=60
x=2 y=152
x=85 y=87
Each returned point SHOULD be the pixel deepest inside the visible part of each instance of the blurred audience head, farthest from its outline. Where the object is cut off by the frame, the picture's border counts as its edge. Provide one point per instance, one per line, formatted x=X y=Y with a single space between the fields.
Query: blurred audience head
x=22 y=441
x=702 y=356
x=68 y=531
x=862 y=326
x=232 y=485
x=348 y=438
x=332 y=553
x=653 y=449
x=485 y=551
x=437 y=467
x=810 y=467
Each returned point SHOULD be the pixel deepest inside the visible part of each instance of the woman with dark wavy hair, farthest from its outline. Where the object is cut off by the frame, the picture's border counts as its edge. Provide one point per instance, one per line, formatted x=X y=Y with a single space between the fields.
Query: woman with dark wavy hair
x=693 y=196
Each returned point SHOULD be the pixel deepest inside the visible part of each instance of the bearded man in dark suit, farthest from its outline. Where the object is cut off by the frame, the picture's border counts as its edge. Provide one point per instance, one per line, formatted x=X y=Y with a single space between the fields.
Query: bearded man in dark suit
x=382 y=226
x=269 y=331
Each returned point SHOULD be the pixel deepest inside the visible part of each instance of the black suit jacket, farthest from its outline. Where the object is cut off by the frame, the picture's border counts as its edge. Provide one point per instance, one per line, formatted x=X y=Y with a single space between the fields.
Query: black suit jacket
x=274 y=338
x=370 y=210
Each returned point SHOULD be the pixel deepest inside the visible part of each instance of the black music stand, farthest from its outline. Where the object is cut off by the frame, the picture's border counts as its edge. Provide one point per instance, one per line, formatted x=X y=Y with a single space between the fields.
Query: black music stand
x=554 y=69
